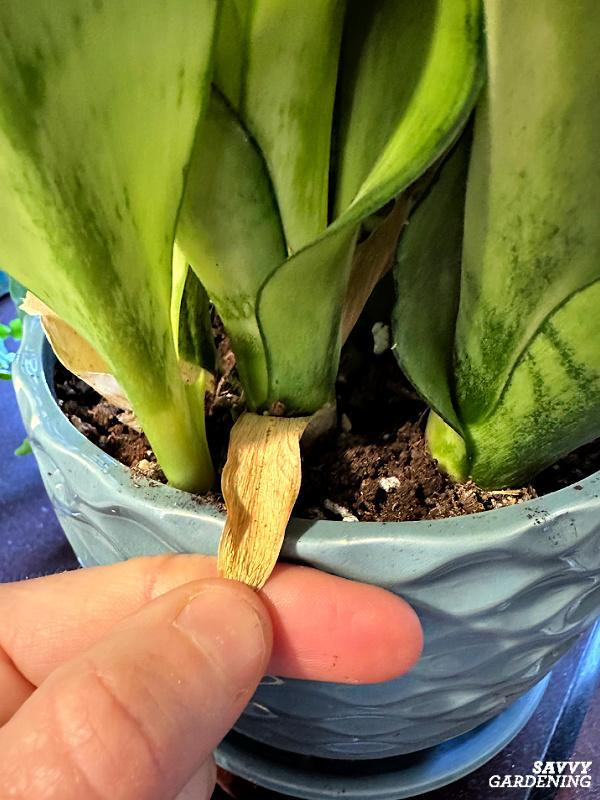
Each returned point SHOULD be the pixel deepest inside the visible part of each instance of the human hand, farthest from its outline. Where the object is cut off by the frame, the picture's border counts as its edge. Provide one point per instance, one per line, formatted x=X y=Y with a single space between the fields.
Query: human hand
x=118 y=682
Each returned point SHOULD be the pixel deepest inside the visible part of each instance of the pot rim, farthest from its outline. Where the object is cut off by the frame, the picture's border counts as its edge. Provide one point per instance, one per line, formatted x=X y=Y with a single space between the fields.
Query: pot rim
x=47 y=421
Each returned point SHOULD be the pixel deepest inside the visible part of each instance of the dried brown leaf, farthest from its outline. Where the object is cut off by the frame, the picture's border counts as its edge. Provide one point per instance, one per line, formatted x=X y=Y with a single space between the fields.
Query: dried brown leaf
x=373 y=258
x=76 y=353
x=260 y=484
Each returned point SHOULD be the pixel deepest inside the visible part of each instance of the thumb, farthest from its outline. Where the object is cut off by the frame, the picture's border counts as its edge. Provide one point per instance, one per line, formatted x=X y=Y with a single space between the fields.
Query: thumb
x=137 y=715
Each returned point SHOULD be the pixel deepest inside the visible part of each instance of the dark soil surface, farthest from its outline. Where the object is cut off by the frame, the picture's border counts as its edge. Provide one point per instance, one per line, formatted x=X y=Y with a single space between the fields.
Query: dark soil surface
x=103 y=424
x=374 y=466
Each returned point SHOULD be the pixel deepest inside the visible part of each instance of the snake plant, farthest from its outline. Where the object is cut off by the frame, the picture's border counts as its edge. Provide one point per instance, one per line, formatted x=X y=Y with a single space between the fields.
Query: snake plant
x=289 y=121
x=321 y=112
x=498 y=277
x=155 y=158
x=99 y=103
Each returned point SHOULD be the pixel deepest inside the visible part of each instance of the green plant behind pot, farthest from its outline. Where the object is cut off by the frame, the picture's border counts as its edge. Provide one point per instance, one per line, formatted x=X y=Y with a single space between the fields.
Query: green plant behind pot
x=98 y=109
x=322 y=113
x=513 y=370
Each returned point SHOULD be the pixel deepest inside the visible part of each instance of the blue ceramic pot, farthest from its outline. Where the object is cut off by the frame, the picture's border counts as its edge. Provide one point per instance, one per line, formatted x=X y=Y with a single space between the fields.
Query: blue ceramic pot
x=3 y=284
x=501 y=594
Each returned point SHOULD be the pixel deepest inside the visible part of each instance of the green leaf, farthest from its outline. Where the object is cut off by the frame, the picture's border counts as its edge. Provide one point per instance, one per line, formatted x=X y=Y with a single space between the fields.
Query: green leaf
x=527 y=363
x=190 y=318
x=98 y=109
x=411 y=73
x=299 y=312
x=369 y=109
x=16 y=328
x=427 y=275
x=301 y=303
x=551 y=403
x=289 y=57
x=230 y=50
x=277 y=63
x=24 y=449
x=532 y=237
x=449 y=447
x=230 y=232
x=13 y=330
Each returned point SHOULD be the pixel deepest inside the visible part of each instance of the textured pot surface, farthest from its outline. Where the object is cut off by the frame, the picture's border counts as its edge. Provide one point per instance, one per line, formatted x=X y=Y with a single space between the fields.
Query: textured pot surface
x=501 y=595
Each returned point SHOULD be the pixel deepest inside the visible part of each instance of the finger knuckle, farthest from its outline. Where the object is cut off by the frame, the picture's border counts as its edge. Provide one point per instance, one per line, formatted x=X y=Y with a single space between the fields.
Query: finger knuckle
x=163 y=575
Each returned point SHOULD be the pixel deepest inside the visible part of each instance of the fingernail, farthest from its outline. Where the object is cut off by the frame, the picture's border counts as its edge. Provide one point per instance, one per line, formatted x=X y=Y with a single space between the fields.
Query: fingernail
x=228 y=629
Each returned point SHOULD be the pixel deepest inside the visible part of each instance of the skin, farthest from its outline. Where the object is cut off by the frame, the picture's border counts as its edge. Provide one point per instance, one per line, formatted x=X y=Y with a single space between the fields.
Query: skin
x=118 y=682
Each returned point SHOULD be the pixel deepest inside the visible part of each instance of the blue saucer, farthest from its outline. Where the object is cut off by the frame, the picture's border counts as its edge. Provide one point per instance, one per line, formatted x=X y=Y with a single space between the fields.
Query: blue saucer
x=380 y=779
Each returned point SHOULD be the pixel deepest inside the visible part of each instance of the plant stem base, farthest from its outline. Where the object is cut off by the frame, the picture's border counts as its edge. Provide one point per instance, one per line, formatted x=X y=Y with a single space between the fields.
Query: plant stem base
x=377 y=779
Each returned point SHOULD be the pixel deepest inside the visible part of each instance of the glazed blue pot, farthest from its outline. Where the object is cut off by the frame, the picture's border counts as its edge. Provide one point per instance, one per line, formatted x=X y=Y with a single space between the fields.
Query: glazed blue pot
x=501 y=594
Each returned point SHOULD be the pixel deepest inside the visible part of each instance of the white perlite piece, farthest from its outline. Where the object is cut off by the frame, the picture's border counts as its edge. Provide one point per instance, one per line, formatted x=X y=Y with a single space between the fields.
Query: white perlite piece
x=149 y=469
x=341 y=511
x=381 y=337
x=389 y=484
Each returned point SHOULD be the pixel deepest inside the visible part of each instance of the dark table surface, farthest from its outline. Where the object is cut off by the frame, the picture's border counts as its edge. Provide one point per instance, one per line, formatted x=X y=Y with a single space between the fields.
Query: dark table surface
x=566 y=725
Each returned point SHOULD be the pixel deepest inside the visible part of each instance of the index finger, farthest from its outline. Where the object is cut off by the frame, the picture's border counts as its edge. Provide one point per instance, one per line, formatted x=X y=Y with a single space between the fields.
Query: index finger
x=325 y=627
